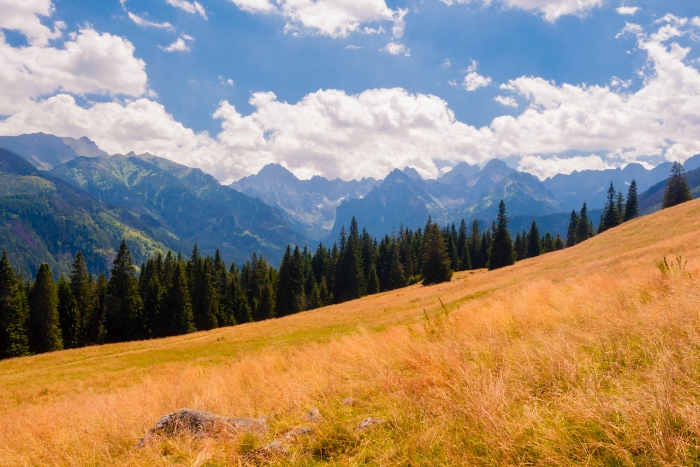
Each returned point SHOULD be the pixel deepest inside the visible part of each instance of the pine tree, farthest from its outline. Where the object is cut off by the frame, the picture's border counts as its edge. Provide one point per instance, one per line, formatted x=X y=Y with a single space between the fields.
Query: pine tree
x=14 y=312
x=465 y=262
x=436 y=262
x=584 y=229
x=239 y=304
x=44 y=326
x=83 y=288
x=397 y=278
x=677 y=190
x=349 y=278
x=620 y=208
x=96 y=332
x=178 y=318
x=533 y=241
x=289 y=298
x=609 y=218
x=123 y=301
x=519 y=247
x=632 y=204
x=68 y=314
x=547 y=243
x=315 y=300
x=502 y=252
x=558 y=242
x=475 y=246
x=573 y=228
x=372 y=281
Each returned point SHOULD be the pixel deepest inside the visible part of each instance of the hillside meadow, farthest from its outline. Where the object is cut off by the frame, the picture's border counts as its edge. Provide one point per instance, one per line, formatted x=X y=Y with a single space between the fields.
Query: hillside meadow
x=586 y=356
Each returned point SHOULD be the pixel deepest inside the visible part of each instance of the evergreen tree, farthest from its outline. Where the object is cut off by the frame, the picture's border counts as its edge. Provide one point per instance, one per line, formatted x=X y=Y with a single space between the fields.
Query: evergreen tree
x=289 y=298
x=178 y=318
x=397 y=278
x=677 y=190
x=547 y=243
x=465 y=261
x=349 y=278
x=44 y=326
x=519 y=247
x=620 y=208
x=502 y=252
x=152 y=297
x=83 y=288
x=14 y=341
x=372 y=281
x=436 y=262
x=96 y=332
x=68 y=314
x=239 y=304
x=573 y=228
x=315 y=300
x=609 y=218
x=475 y=248
x=558 y=242
x=123 y=301
x=632 y=204
x=584 y=229
x=533 y=241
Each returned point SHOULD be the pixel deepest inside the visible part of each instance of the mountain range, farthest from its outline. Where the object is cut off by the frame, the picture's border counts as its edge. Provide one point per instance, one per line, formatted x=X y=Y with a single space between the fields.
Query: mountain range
x=85 y=199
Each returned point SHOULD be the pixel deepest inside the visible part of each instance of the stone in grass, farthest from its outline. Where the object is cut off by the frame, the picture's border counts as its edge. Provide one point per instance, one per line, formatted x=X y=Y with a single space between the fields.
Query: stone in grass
x=369 y=423
x=313 y=415
x=201 y=424
x=269 y=451
x=295 y=432
x=349 y=402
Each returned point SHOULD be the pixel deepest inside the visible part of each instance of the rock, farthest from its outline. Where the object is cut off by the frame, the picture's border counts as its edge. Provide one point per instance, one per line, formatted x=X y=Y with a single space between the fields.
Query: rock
x=270 y=450
x=313 y=415
x=349 y=401
x=201 y=424
x=295 y=432
x=369 y=423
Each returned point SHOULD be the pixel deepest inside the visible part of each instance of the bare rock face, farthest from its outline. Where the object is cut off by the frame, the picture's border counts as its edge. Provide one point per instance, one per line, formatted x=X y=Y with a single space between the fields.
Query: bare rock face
x=369 y=423
x=201 y=424
x=313 y=415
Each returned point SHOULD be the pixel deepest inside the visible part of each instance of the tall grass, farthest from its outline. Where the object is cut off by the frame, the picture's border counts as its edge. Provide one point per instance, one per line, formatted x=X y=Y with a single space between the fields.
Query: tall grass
x=587 y=356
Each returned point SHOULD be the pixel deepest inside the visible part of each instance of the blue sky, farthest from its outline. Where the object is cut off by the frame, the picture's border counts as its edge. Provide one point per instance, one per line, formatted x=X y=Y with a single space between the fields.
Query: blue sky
x=230 y=51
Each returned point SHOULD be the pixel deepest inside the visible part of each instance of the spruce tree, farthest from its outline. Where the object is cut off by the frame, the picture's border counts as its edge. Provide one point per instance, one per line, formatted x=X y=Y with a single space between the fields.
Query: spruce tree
x=349 y=277
x=573 y=228
x=584 y=229
x=436 y=262
x=620 y=208
x=547 y=243
x=177 y=317
x=83 y=288
x=632 y=204
x=519 y=246
x=397 y=278
x=289 y=298
x=239 y=304
x=14 y=312
x=609 y=218
x=123 y=301
x=465 y=262
x=502 y=253
x=372 y=281
x=69 y=315
x=475 y=246
x=677 y=190
x=533 y=241
x=558 y=242
x=96 y=332
x=44 y=326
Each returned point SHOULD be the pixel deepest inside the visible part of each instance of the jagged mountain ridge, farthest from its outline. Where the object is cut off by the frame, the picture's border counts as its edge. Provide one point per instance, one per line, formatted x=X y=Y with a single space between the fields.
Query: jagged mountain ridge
x=48 y=151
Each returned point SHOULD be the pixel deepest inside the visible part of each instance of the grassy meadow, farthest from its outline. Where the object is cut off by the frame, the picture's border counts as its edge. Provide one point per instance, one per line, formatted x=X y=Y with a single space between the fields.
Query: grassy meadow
x=586 y=356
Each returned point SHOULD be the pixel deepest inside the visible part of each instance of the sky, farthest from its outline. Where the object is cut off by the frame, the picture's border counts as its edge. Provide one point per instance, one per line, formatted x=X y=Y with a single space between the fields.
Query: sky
x=357 y=88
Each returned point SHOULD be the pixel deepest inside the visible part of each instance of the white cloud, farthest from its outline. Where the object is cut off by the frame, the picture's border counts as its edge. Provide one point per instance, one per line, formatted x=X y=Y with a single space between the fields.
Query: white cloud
x=353 y=47
x=395 y=49
x=630 y=28
x=474 y=80
x=89 y=63
x=189 y=7
x=549 y=167
x=620 y=83
x=334 y=18
x=226 y=82
x=453 y=83
x=627 y=10
x=24 y=16
x=181 y=44
x=447 y=63
x=508 y=101
x=551 y=10
x=148 y=24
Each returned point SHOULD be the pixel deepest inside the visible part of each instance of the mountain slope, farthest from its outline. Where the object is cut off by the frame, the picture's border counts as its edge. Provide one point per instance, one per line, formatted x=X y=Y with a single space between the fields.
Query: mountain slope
x=43 y=219
x=650 y=200
x=185 y=204
x=48 y=151
x=309 y=205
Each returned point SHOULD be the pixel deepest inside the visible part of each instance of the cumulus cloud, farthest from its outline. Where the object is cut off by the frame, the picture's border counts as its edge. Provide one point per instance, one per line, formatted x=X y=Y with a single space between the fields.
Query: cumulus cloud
x=550 y=166
x=508 y=101
x=24 y=16
x=334 y=18
x=181 y=44
x=551 y=10
x=627 y=10
x=148 y=24
x=474 y=80
x=189 y=7
x=395 y=49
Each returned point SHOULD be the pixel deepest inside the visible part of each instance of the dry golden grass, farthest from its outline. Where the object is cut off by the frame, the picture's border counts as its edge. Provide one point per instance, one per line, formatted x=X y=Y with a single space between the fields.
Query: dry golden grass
x=588 y=356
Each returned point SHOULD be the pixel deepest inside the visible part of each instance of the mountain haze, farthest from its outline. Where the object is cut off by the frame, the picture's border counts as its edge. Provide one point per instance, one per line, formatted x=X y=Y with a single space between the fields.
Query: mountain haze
x=48 y=151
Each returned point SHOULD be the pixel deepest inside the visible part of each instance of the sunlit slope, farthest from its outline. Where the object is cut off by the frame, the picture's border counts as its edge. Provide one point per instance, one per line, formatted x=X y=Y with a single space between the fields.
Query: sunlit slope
x=587 y=355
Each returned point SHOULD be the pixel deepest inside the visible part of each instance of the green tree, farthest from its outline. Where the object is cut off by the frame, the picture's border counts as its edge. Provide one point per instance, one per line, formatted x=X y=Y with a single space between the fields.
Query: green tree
x=239 y=304
x=502 y=253
x=547 y=243
x=372 y=281
x=436 y=262
x=573 y=228
x=677 y=190
x=558 y=242
x=349 y=278
x=178 y=318
x=69 y=315
x=123 y=301
x=289 y=297
x=44 y=325
x=14 y=312
x=533 y=241
x=609 y=218
x=632 y=204
x=83 y=288
x=584 y=229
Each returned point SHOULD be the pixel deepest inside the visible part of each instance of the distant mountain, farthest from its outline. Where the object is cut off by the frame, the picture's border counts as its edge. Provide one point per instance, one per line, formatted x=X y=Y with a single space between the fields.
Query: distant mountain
x=462 y=169
x=308 y=205
x=43 y=219
x=183 y=205
x=401 y=199
x=49 y=151
x=650 y=200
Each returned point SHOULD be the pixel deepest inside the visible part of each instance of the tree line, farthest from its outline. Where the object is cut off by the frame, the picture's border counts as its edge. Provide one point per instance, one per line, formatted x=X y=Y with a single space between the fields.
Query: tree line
x=170 y=295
